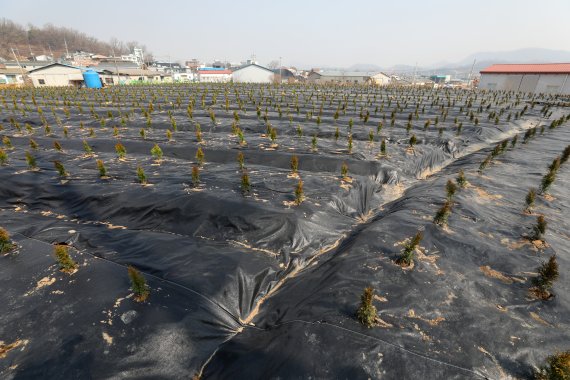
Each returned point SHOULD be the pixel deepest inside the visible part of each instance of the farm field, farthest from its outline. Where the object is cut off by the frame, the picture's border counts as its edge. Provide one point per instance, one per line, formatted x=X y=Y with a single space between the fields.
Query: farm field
x=258 y=215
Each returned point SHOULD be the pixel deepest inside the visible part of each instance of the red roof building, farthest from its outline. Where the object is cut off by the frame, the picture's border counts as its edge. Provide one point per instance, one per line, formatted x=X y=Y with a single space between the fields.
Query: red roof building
x=551 y=78
x=531 y=68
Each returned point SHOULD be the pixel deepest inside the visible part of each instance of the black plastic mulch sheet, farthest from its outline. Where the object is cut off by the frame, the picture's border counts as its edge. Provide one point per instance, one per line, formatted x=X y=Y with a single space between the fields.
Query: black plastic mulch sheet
x=257 y=287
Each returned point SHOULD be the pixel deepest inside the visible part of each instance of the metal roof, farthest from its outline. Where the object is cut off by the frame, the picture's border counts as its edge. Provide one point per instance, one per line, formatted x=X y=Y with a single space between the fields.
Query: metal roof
x=253 y=64
x=214 y=72
x=11 y=70
x=530 y=68
x=55 y=64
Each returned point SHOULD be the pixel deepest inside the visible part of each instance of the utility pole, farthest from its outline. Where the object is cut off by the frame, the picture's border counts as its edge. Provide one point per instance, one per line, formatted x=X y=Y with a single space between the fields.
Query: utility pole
x=116 y=67
x=414 y=77
x=50 y=52
x=66 y=51
x=280 y=70
x=18 y=62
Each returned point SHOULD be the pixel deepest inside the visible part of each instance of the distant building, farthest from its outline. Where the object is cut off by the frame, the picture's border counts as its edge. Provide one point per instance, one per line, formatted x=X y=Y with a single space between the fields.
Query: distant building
x=286 y=75
x=137 y=56
x=348 y=77
x=440 y=78
x=11 y=75
x=169 y=67
x=57 y=74
x=211 y=74
x=253 y=73
x=183 y=77
x=26 y=65
x=110 y=76
x=549 y=78
x=193 y=64
x=43 y=58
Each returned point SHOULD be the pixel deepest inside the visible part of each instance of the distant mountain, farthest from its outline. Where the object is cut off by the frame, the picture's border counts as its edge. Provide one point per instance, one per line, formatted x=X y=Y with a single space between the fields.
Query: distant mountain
x=529 y=55
x=482 y=60
x=364 y=67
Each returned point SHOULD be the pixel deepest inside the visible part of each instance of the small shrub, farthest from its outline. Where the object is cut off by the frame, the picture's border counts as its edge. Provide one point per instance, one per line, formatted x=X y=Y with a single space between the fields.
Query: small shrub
x=371 y=136
x=200 y=156
x=33 y=144
x=299 y=193
x=442 y=215
x=450 y=189
x=540 y=228
x=87 y=148
x=344 y=170
x=294 y=164
x=555 y=165
x=336 y=134
x=101 y=168
x=195 y=175
x=241 y=160
x=367 y=314
x=547 y=181
x=3 y=157
x=547 y=274
x=156 y=152
x=461 y=180
x=565 y=155
x=7 y=142
x=529 y=200
x=121 y=150
x=557 y=367
x=57 y=146
x=413 y=141
x=60 y=169
x=383 y=147
x=31 y=160
x=245 y=184
x=138 y=284
x=273 y=135
x=6 y=244
x=141 y=176
x=66 y=263
x=350 y=143
x=484 y=164
x=314 y=142
x=407 y=255
x=241 y=137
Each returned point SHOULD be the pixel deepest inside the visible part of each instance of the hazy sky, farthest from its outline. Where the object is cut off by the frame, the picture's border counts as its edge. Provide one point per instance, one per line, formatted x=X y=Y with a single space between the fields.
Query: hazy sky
x=312 y=32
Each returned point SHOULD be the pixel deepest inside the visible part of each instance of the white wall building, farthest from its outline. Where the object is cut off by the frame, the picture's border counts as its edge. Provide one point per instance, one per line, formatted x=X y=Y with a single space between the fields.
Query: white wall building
x=552 y=78
x=348 y=77
x=12 y=75
x=253 y=74
x=214 y=75
x=56 y=74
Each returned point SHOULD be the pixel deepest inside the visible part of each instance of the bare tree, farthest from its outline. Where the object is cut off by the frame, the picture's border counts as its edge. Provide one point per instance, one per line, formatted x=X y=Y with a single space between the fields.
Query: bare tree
x=273 y=64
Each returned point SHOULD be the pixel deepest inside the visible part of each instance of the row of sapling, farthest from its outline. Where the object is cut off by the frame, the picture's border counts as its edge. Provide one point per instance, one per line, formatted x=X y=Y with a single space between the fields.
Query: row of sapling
x=416 y=106
x=499 y=149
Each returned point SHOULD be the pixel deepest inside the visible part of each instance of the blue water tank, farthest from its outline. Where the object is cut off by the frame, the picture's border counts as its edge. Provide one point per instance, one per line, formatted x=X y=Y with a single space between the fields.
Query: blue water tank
x=92 y=79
